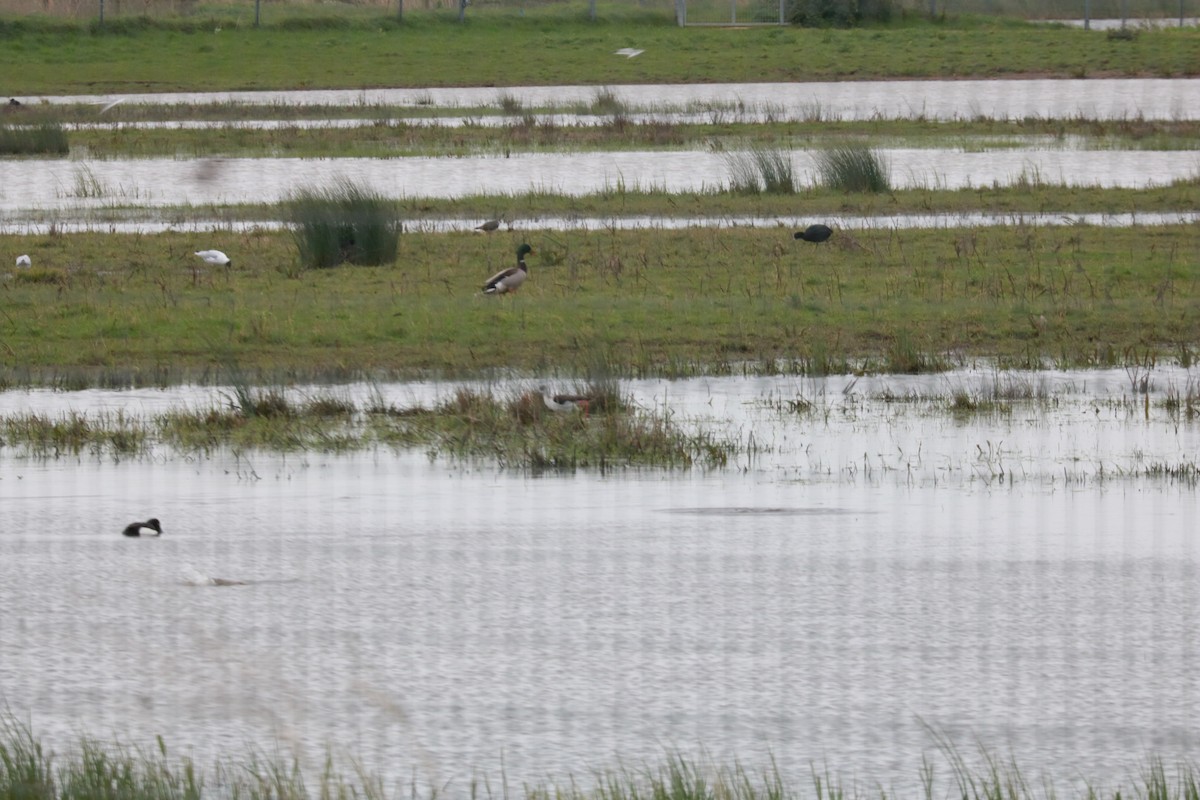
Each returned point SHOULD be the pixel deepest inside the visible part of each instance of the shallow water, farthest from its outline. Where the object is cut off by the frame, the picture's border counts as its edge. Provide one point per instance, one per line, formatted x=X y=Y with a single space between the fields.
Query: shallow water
x=876 y=567
x=1107 y=98
x=45 y=184
x=39 y=226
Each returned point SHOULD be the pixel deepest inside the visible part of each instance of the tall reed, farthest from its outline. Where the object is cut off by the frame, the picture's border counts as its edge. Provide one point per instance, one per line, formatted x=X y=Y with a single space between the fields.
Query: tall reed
x=853 y=168
x=761 y=170
x=344 y=223
x=48 y=138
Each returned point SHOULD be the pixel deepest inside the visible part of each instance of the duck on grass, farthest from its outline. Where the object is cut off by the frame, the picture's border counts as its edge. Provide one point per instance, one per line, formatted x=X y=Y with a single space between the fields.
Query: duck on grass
x=509 y=280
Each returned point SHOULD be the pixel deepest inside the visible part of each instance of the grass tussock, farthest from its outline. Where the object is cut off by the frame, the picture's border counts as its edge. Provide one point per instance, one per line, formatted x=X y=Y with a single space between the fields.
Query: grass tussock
x=521 y=431
x=761 y=170
x=343 y=224
x=853 y=169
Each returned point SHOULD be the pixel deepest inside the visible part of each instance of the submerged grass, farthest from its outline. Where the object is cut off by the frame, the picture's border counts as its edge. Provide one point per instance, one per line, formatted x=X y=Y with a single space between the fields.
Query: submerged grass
x=93 y=769
x=517 y=431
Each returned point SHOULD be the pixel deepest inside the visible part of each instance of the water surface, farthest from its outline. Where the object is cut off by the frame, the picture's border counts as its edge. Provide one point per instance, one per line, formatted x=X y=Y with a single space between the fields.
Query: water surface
x=42 y=184
x=877 y=566
x=1105 y=98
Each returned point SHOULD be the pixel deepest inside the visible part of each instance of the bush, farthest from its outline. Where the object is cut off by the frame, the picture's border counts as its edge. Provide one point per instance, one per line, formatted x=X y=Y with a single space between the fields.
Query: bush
x=344 y=224
x=839 y=13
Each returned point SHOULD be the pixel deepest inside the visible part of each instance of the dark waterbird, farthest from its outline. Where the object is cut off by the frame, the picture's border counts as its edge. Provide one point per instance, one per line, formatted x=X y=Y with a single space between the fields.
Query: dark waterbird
x=135 y=528
x=815 y=233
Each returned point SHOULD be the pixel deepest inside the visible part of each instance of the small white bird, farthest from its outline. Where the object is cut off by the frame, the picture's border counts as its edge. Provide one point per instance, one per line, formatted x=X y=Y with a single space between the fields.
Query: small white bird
x=628 y=52
x=24 y=261
x=215 y=258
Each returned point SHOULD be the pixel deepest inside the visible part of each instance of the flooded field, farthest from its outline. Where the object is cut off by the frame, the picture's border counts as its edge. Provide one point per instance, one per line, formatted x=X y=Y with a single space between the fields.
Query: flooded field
x=1022 y=573
x=55 y=184
x=1115 y=99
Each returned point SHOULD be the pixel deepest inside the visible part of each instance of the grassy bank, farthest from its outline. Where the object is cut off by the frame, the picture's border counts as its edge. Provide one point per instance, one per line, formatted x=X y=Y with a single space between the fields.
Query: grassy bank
x=30 y=770
x=554 y=45
x=391 y=138
x=112 y=308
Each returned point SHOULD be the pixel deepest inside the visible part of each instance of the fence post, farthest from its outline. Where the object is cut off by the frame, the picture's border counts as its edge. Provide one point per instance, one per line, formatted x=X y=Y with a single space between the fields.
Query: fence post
x=1087 y=15
x=257 y=3
x=101 y=13
x=592 y=10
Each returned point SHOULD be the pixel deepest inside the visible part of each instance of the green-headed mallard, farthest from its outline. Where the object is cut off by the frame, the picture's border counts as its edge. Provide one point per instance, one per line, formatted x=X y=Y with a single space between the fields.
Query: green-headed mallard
x=508 y=280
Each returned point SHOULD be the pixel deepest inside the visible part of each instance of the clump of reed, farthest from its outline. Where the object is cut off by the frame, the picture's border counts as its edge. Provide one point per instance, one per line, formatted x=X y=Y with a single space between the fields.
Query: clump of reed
x=1183 y=402
x=74 y=433
x=761 y=170
x=47 y=138
x=342 y=224
x=520 y=431
x=853 y=168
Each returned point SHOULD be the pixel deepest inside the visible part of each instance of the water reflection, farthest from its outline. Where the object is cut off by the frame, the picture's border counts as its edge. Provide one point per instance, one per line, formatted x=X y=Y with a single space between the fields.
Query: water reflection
x=881 y=565
x=1109 y=98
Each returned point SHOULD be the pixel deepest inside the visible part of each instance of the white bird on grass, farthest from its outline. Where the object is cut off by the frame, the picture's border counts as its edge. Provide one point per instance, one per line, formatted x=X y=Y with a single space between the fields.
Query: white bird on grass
x=628 y=52
x=24 y=261
x=215 y=257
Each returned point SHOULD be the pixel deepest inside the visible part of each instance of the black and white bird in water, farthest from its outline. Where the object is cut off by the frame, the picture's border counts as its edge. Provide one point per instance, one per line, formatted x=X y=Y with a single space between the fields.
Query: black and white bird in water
x=135 y=528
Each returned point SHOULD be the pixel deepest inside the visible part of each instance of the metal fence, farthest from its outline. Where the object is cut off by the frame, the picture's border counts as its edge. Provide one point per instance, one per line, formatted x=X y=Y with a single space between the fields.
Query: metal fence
x=1088 y=13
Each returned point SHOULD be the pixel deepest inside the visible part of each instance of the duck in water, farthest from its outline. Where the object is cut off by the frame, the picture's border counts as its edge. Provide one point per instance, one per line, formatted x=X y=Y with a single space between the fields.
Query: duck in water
x=135 y=528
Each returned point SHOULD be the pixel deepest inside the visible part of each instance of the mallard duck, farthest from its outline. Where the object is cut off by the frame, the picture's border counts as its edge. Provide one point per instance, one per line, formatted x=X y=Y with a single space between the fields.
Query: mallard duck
x=215 y=258
x=564 y=402
x=508 y=280
x=135 y=528
x=815 y=233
